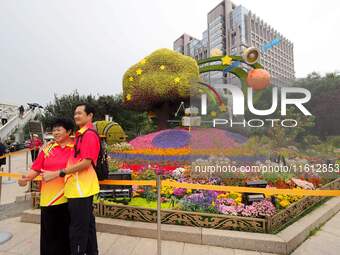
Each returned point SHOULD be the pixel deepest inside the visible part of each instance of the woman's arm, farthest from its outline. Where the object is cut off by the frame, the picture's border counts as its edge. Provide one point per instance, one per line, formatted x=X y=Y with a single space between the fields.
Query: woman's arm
x=29 y=177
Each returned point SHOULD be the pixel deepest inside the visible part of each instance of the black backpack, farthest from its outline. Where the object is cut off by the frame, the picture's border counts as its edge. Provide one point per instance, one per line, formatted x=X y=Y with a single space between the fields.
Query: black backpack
x=102 y=167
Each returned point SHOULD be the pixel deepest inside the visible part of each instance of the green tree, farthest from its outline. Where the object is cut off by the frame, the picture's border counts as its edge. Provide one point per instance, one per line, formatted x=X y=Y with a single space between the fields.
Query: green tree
x=134 y=123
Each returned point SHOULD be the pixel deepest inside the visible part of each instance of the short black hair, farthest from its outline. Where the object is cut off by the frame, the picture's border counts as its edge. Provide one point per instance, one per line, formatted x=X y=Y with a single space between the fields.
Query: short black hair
x=66 y=123
x=87 y=107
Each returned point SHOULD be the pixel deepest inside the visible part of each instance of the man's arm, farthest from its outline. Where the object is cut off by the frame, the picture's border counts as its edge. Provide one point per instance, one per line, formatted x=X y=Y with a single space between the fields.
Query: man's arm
x=83 y=164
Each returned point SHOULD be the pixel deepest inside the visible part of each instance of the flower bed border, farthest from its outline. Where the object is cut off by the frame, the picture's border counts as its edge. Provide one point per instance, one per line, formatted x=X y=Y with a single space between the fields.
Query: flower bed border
x=207 y=220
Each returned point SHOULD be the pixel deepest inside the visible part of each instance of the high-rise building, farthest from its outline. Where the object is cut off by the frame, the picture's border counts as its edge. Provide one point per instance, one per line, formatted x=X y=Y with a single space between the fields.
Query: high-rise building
x=232 y=29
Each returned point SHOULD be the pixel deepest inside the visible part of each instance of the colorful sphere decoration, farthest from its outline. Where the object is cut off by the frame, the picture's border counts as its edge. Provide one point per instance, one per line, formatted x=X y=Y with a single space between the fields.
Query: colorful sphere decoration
x=258 y=79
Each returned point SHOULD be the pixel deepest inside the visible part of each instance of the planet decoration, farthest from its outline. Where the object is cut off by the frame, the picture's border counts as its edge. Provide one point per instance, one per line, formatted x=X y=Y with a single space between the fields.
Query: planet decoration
x=196 y=138
x=180 y=145
x=258 y=79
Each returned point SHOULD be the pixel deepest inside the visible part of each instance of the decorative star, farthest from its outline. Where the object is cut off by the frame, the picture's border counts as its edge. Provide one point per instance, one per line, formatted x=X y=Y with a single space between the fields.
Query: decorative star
x=143 y=61
x=213 y=114
x=128 y=97
x=131 y=78
x=139 y=71
x=226 y=60
x=177 y=80
x=162 y=67
x=223 y=108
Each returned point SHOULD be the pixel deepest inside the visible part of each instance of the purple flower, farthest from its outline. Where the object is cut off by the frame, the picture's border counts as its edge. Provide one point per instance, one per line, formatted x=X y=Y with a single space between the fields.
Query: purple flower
x=264 y=208
x=171 y=139
x=249 y=211
x=257 y=209
x=179 y=192
x=229 y=210
x=201 y=199
x=225 y=201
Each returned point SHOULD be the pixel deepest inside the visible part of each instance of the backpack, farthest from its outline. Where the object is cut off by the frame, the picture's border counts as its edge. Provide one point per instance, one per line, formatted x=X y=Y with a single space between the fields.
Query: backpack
x=102 y=167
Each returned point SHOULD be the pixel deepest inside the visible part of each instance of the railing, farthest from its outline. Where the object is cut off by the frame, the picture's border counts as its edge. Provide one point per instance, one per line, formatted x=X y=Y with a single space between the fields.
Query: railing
x=16 y=122
x=9 y=174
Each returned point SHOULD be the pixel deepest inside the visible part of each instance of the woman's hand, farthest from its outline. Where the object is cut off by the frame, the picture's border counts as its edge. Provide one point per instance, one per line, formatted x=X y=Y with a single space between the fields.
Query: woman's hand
x=49 y=175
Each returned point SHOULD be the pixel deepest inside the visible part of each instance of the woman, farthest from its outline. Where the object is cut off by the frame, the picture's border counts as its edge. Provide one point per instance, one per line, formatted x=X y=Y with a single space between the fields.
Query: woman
x=54 y=234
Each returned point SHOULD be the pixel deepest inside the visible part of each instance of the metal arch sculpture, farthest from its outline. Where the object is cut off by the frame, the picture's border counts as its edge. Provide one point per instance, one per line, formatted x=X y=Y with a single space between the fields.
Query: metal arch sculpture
x=237 y=71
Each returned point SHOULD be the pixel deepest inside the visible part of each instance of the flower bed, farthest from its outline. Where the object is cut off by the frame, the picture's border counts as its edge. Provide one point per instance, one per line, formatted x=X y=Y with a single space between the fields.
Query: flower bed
x=260 y=218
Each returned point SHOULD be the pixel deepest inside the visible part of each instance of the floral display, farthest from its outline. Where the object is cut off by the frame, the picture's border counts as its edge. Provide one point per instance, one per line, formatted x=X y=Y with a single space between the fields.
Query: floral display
x=172 y=139
x=177 y=153
x=195 y=139
x=283 y=201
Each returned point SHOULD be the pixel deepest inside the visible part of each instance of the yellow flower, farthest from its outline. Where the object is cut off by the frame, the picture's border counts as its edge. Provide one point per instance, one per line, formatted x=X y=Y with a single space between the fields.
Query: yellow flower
x=162 y=67
x=167 y=190
x=177 y=80
x=238 y=200
x=139 y=71
x=284 y=203
x=131 y=78
x=223 y=195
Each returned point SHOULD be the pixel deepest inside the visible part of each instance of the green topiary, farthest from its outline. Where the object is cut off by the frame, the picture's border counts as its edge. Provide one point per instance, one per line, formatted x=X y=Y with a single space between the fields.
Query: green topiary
x=159 y=82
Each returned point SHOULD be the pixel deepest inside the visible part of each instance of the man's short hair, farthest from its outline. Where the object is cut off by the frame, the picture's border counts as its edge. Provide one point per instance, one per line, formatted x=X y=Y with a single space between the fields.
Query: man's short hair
x=66 y=123
x=87 y=107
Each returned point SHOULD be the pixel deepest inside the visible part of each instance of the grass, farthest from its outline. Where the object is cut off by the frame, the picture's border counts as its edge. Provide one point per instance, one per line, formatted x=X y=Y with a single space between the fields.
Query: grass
x=142 y=202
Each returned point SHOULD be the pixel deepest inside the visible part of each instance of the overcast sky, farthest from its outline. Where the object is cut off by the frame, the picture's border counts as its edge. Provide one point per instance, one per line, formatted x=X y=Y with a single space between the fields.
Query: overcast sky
x=49 y=47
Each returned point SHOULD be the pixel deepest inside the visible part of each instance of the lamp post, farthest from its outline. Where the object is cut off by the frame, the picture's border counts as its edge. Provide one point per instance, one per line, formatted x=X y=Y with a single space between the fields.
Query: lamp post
x=158 y=183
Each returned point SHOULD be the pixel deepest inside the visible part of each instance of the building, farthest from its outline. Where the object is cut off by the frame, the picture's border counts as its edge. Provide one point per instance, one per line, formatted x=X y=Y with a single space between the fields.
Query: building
x=232 y=29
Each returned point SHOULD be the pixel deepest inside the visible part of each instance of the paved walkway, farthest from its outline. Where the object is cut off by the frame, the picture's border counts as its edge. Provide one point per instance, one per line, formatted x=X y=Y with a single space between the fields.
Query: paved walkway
x=326 y=241
x=25 y=241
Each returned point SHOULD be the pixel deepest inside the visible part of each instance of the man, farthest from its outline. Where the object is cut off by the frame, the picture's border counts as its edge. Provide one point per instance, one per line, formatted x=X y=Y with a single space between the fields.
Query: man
x=81 y=183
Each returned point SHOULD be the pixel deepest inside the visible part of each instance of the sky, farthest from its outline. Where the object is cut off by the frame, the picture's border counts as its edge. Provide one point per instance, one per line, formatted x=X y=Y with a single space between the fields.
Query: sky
x=55 y=47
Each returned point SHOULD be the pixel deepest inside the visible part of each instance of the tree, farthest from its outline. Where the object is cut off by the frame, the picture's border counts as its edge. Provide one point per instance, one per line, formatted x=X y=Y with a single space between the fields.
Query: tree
x=325 y=107
x=133 y=123
x=159 y=83
x=324 y=103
